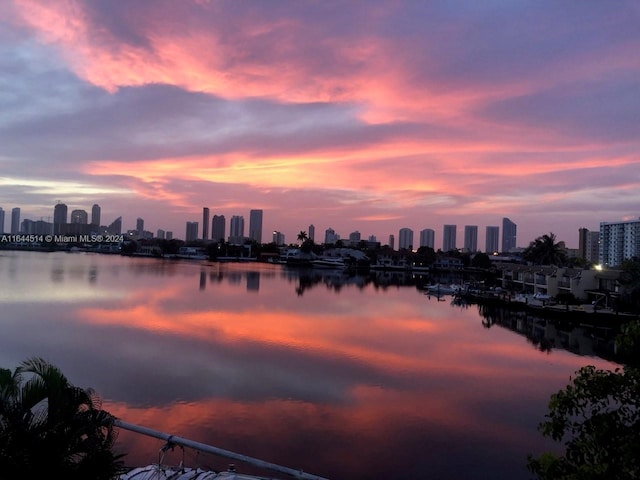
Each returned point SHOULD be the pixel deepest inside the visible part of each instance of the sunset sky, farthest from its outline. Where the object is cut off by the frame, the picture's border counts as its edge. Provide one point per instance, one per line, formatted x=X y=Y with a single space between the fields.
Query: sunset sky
x=356 y=115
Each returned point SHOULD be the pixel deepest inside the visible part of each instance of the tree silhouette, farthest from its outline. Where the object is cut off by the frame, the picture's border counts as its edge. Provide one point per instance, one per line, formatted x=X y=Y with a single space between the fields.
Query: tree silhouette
x=48 y=426
x=545 y=251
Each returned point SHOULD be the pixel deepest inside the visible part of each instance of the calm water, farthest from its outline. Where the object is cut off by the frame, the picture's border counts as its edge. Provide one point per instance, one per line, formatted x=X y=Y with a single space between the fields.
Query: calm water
x=341 y=377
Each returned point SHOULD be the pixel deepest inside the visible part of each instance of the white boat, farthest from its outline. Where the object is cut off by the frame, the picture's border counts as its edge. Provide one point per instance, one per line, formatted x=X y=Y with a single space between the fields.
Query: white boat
x=441 y=289
x=165 y=472
x=329 y=262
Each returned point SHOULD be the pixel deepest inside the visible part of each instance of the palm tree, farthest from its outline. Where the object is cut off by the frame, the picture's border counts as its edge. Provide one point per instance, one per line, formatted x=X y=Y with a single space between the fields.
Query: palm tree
x=302 y=236
x=48 y=425
x=545 y=251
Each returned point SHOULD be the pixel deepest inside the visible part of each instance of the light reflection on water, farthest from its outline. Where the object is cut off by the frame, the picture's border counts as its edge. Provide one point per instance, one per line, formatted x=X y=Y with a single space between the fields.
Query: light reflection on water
x=345 y=377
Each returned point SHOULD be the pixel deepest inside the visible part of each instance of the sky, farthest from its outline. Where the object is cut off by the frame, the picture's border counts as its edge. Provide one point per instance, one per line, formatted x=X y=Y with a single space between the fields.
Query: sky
x=365 y=116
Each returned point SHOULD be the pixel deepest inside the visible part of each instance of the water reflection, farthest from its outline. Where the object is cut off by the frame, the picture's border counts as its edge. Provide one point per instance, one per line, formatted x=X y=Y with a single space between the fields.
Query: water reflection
x=345 y=376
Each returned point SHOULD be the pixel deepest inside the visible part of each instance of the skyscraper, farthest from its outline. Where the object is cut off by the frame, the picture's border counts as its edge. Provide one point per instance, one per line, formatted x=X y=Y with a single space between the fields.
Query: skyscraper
x=392 y=242
x=471 y=238
x=192 y=232
x=354 y=238
x=140 y=227
x=492 y=239
x=278 y=238
x=236 y=231
x=405 y=239
x=427 y=238
x=60 y=218
x=1 y=220
x=95 y=215
x=509 y=230
x=205 y=223
x=115 y=227
x=79 y=216
x=449 y=238
x=312 y=233
x=218 y=226
x=330 y=236
x=15 y=220
x=619 y=241
x=255 y=226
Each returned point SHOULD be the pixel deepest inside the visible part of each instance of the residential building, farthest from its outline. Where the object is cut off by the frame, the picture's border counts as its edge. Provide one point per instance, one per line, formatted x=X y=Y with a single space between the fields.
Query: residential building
x=218 y=227
x=15 y=220
x=192 y=232
x=619 y=241
x=354 y=238
x=95 y=215
x=405 y=239
x=255 y=226
x=471 y=238
x=236 y=231
x=140 y=226
x=330 y=236
x=589 y=245
x=509 y=231
x=392 y=242
x=79 y=216
x=115 y=228
x=449 y=238
x=278 y=238
x=160 y=234
x=428 y=238
x=492 y=239
x=37 y=227
x=60 y=218
x=205 y=223
x=312 y=233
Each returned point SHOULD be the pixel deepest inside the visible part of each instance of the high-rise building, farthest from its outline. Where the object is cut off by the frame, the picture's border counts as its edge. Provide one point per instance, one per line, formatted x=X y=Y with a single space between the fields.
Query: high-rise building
x=140 y=227
x=354 y=238
x=278 y=238
x=405 y=239
x=169 y=235
x=593 y=247
x=312 y=233
x=15 y=220
x=1 y=220
x=59 y=218
x=255 y=226
x=218 y=226
x=205 y=223
x=192 y=232
x=160 y=234
x=583 y=233
x=509 y=231
x=427 y=238
x=492 y=239
x=449 y=238
x=95 y=215
x=236 y=231
x=619 y=241
x=392 y=242
x=115 y=228
x=330 y=236
x=471 y=238
x=79 y=216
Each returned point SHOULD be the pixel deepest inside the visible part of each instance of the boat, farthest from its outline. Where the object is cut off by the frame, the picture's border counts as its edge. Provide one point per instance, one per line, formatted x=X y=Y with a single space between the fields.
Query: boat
x=441 y=289
x=160 y=471
x=328 y=262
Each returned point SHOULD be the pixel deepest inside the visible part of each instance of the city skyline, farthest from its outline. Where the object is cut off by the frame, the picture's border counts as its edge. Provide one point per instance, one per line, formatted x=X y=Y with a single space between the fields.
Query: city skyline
x=367 y=117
